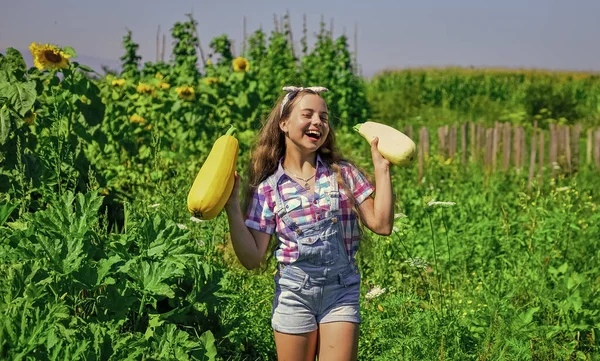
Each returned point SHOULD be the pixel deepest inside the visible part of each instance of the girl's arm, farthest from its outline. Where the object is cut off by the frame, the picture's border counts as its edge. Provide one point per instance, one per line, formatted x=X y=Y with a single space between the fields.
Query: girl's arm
x=249 y=245
x=378 y=213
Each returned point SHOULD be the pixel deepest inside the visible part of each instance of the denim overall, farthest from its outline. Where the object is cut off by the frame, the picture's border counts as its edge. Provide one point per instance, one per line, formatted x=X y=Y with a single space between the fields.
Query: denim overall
x=322 y=285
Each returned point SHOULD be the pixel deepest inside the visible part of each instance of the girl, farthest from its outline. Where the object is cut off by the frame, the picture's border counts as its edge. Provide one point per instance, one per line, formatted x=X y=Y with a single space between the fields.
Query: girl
x=303 y=191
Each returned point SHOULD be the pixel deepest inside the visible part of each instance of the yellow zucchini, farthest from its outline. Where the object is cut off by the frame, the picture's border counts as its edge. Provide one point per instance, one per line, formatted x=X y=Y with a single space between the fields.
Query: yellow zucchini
x=214 y=182
x=393 y=145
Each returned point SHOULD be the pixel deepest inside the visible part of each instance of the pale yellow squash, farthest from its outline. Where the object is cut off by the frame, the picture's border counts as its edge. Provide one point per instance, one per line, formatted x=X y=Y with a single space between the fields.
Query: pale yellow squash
x=393 y=145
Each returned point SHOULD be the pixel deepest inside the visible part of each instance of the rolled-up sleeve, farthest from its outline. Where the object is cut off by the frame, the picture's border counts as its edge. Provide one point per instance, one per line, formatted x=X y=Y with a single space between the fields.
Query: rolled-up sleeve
x=259 y=215
x=358 y=183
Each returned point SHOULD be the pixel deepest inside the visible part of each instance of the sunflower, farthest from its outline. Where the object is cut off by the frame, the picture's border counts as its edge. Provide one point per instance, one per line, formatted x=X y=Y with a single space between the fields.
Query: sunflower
x=163 y=85
x=137 y=119
x=241 y=64
x=210 y=81
x=186 y=92
x=145 y=89
x=46 y=56
x=118 y=82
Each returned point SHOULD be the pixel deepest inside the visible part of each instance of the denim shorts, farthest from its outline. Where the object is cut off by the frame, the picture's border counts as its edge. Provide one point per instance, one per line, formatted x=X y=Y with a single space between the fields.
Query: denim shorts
x=303 y=299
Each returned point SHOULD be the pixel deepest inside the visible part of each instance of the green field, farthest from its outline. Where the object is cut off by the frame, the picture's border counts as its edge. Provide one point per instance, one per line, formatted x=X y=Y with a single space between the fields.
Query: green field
x=101 y=259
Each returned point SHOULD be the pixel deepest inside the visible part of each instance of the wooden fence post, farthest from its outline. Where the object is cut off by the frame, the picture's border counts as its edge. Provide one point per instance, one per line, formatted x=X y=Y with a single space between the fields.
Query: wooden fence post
x=408 y=130
x=463 y=144
x=452 y=142
x=506 y=145
x=532 y=156
x=553 y=149
x=495 y=146
x=541 y=157
x=423 y=151
x=473 y=140
x=568 y=148
x=523 y=147
x=442 y=137
x=517 y=148
x=590 y=143
x=597 y=148
x=489 y=146
x=481 y=143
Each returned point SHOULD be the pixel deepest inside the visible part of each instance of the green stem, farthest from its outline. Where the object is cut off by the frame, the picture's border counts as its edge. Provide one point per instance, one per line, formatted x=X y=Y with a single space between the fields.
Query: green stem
x=448 y=247
x=140 y=310
x=409 y=256
x=436 y=264
x=231 y=130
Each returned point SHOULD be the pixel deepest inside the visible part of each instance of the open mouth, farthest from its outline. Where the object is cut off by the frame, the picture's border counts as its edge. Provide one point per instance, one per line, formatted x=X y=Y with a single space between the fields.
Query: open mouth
x=313 y=134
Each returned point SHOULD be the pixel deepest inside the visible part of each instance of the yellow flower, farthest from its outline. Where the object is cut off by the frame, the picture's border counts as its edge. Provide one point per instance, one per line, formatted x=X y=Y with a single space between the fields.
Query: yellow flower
x=186 y=92
x=145 y=89
x=118 y=82
x=241 y=64
x=137 y=119
x=46 y=56
x=159 y=76
x=30 y=117
x=208 y=62
x=164 y=85
x=210 y=81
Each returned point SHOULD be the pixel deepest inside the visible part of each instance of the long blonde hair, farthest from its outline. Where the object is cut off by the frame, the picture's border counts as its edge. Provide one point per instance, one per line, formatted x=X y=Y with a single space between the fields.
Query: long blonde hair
x=269 y=148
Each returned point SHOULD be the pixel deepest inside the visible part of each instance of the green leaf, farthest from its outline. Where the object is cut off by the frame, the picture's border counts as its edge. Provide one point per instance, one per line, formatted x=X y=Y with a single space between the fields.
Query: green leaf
x=21 y=96
x=84 y=67
x=18 y=225
x=4 y=124
x=563 y=268
x=5 y=211
x=70 y=51
x=104 y=266
x=526 y=317
x=13 y=61
x=150 y=277
x=93 y=109
x=575 y=302
x=208 y=340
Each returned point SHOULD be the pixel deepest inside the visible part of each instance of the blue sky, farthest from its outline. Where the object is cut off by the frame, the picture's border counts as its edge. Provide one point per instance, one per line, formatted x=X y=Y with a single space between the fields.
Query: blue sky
x=391 y=34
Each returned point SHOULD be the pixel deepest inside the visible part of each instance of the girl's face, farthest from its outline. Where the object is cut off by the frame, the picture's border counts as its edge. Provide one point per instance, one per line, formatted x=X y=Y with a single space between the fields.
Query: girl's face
x=308 y=124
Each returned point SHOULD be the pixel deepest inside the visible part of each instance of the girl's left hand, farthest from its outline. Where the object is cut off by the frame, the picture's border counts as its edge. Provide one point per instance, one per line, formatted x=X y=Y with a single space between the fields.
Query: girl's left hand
x=378 y=160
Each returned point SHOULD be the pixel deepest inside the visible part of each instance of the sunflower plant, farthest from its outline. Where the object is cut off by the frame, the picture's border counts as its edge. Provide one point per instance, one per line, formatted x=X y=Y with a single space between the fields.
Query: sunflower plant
x=39 y=110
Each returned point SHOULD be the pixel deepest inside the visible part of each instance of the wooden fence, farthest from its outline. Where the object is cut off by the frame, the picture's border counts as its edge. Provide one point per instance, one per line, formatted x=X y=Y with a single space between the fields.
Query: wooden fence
x=507 y=146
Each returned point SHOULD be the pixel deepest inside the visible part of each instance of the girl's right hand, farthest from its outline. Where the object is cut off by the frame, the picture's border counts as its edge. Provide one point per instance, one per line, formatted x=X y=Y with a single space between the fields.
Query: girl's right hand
x=234 y=199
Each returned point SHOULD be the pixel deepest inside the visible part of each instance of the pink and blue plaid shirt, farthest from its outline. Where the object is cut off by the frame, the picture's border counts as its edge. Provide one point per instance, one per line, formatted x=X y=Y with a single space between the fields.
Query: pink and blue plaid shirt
x=307 y=206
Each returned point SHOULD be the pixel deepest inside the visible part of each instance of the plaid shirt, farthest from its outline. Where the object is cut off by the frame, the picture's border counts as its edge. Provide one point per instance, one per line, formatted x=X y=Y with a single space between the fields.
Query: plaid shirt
x=306 y=207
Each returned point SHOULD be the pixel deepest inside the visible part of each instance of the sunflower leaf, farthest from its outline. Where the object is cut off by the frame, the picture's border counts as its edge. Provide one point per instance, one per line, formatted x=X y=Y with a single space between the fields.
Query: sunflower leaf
x=21 y=96
x=13 y=61
x=84 y=67
x=4 y=124
x=70 y=51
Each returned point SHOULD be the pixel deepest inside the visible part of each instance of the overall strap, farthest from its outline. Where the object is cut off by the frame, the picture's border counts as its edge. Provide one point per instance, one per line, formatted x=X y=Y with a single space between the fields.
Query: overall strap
x=334 y=193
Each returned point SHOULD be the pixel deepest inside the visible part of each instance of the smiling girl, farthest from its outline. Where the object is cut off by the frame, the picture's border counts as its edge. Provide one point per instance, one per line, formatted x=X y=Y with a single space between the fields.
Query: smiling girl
x=304 y=192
